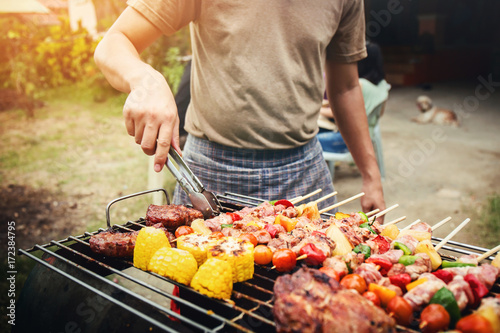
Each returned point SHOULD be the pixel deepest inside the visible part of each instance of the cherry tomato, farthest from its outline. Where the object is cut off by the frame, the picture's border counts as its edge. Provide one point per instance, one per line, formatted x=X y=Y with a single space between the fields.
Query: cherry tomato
x=217 y=235
x=370 y=295
x=474 y=323
x=183 y=230
x=330 y=272
x=401 y=310
x=434 y=318
x=262 y=255
x=284 y=260
x=354 y=281
x=249 y=238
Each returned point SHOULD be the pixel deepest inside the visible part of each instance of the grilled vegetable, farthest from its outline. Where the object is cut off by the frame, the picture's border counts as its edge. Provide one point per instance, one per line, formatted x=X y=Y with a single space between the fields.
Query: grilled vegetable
x=175 y=264
x=400 y=310
x=368 y=226
x=391 y=231
x=314 y=255
x=286 y=222
x=365 y=249
x=384 y=264
x=427 y=247
x=238 y=253
x=446 y=298
x=311 y=211
x=474 y=323
x=343 y=246
x=148 y=241
x=383 y=244
x=262 y=255
x=284 y=260
x=385 y=294
x=496 y=261
x=370 y=295
x=331 y=272
x=340 y=216
x=283 y=202
x=489 y=312
x=444 y=275
x=478 y=289
x=448 y=264
x=407 y=260
x=400 y=280
x=354 y=281
x=434 y=318
x=183 y=230
x=199 y=226
x=214 y=278
x=406 y=250
x=415 y=283
x=249 y=238
x=197 y=245
x=363 y=216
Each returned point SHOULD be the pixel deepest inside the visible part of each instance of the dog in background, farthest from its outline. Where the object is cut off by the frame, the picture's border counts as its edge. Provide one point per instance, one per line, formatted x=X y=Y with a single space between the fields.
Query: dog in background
x=433 y=114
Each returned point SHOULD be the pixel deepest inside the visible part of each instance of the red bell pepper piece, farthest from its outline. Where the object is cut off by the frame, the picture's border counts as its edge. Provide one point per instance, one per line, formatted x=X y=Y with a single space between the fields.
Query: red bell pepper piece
x=316 y=232
x=234 y=217
x=272 y=230
x=383 y=244
x=444 y=275
x=314 y=255
x=385 y=265
x=401 y=280
x=478 y=288
x=283 y=202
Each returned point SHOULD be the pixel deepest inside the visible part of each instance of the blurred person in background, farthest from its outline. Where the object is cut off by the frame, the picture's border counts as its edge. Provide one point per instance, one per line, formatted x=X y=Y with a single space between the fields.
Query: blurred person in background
x=256 y=90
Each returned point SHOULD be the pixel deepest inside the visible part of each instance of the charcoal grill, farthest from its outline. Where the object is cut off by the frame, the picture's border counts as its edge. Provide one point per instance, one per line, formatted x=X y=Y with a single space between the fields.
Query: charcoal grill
x=72 y=289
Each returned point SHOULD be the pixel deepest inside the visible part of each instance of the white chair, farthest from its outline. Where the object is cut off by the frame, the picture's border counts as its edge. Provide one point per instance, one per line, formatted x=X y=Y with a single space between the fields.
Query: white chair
x=374 y=113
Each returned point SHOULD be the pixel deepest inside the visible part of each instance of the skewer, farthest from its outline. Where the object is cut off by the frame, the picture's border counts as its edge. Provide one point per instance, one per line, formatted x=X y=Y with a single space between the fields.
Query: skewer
x=387 y=210
x=437 y=225
x=411 y=224
x=296 y=200
x=489 y=253
x=354 y=197
x=375 y=211
x=453 y=233
x=402 y=218
x=326 y=197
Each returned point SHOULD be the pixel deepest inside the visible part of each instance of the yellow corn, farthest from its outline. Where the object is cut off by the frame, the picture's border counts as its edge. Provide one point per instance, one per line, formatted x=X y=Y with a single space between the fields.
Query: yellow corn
x=214 y=279
x=175 y=264
x=196 y=244
x=238 y=253
x=148 y=241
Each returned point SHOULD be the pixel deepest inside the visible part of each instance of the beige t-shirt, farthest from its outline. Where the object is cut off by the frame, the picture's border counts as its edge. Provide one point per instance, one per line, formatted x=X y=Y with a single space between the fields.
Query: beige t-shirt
x=257 y=71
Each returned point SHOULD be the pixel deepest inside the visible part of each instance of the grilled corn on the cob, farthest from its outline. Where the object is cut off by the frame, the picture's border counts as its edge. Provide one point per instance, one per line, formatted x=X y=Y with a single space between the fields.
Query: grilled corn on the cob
x=148 y=241
x=175 y=264
x=214 y=279
x=197 y=245
x=238 y=253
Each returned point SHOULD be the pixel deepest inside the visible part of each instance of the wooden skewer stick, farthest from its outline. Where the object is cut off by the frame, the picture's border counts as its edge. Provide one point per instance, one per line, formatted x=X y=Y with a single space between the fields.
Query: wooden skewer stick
x=402 y=218
x=326 y=197
x=411 y=224
x=489 y=253
x=453 y=233
x=375 y=211
x=354 y=197
x=295 y=200
x=437 y=225
x=387 y=210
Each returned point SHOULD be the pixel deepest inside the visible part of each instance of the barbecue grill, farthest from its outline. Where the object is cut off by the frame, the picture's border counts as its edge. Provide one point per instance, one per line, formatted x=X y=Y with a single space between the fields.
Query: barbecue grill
x=72 y=289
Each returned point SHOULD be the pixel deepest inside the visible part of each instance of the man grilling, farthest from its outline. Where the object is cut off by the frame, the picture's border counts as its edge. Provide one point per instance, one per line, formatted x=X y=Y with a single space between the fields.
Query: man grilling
x=257 y=87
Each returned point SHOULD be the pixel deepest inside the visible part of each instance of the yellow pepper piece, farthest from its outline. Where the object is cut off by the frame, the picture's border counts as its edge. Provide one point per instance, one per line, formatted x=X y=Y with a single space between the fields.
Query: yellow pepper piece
x=390 y=231
x=148 y=241
x=254 y=224
x=385 y=294
x=214 y=279
x=175 y=264
x=287 y=223
x=415 y=283
x=340 y=216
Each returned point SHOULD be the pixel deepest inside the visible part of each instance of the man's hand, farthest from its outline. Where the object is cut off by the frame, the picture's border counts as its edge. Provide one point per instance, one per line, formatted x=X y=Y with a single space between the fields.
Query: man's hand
x=373 y=198
x=151 y=117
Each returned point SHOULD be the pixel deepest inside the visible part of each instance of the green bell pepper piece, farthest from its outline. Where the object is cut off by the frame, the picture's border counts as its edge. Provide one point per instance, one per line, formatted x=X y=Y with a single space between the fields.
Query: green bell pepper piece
x=363 y=215
x=222 y=226
x=448 y=264
x=365 y=249
x=366 y=225
x=407 y=260
x=406 y=250
x=446 y=298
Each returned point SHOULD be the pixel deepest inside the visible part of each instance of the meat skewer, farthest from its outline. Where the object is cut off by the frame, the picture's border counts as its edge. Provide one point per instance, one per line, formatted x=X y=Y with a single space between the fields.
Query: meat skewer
x=338 y=204
x=451 y=234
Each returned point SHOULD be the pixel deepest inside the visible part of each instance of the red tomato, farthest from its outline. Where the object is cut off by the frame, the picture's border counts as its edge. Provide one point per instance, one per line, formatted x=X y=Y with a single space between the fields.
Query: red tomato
x=474 y=323
x=434 y=318
x=249 y=238
x=183 y=230
x=262 y=255
x=284 y=260
x=401 y=310
x=354 y=281
x=371 y=296
x=217 y=235
x=330 y=272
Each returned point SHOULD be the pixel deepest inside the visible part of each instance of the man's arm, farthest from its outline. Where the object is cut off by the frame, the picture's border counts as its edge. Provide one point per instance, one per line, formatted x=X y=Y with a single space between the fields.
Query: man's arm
x=346 y=99
x=150 y=111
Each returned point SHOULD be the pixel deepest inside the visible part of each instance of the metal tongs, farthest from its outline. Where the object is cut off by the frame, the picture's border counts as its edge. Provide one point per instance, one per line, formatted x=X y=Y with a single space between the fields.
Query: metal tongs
x=203 y=200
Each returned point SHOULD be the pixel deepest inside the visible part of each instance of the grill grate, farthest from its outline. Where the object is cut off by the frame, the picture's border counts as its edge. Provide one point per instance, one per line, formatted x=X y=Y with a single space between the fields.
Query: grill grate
x=249 y=310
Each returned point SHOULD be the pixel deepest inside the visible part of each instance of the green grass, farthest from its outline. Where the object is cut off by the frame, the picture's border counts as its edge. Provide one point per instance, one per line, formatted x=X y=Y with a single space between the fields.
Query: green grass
x=489 y=221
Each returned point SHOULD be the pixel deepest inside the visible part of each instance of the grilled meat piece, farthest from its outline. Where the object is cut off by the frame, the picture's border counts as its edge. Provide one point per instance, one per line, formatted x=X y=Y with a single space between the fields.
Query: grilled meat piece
x=310 y=301
x=120 y=244
x=171 y=216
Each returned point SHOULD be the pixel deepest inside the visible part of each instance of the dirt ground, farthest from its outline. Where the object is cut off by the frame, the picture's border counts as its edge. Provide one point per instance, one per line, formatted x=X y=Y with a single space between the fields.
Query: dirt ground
x=431 y=171
x=437 y=171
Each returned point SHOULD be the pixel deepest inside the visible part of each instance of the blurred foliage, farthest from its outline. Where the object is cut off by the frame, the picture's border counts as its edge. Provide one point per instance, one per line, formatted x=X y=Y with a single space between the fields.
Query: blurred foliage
x=489 y=220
